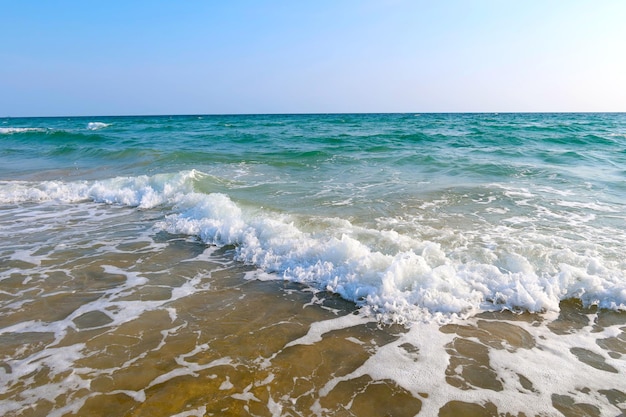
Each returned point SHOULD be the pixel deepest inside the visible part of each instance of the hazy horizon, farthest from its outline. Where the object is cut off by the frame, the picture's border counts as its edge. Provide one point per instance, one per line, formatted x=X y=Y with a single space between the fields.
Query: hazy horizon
x=86 y=116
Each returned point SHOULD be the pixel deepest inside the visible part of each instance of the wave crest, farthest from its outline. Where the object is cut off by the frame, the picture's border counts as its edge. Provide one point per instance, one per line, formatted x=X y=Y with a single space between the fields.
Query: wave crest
x=14 y=130
x=397 y=277
x=97 y=125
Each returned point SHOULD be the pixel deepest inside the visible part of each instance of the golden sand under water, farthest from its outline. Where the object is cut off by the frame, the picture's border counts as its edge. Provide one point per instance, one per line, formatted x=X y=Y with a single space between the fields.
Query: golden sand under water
x=236 y=348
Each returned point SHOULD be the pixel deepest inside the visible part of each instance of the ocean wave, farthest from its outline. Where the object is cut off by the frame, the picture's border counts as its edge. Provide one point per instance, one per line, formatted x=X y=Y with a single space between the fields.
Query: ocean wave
x=144 y=191
x=399 y=277
x=52 y=134
x=419 y=280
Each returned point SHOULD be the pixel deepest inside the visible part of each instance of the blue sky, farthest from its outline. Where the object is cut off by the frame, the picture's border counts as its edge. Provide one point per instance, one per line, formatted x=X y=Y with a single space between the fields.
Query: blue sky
x=215 y=57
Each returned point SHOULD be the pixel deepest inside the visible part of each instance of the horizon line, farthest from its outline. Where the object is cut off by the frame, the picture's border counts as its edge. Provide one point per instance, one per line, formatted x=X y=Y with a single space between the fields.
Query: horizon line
x=310 y=114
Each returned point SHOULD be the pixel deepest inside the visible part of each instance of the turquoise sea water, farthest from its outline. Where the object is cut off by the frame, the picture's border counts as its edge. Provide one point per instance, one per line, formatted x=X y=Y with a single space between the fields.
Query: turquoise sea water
x=419 y=219
x=366 y=205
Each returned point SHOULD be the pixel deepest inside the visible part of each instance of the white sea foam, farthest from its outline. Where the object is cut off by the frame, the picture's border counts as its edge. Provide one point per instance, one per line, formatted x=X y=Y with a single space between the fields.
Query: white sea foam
x=595 y=206
x=424 y=368
x=198 y=412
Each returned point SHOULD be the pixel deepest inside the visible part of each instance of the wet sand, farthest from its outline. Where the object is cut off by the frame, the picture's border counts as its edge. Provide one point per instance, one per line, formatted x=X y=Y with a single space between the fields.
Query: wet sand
x=180 y=331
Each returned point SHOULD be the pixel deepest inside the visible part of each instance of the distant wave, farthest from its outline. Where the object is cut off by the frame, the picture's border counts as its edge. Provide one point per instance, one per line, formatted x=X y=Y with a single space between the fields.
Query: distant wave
x=97 y=125
x=12 y=130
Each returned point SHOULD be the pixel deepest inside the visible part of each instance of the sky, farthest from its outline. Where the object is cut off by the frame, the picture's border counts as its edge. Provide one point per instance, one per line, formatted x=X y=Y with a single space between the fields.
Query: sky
x=125 y=57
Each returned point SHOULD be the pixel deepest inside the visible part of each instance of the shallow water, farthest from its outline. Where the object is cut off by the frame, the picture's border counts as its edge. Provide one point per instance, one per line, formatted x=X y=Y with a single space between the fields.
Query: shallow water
x=160 y=325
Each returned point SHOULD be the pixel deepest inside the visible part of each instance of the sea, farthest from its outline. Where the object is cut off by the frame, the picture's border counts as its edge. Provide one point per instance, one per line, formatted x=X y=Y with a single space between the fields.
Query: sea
x=313 y=265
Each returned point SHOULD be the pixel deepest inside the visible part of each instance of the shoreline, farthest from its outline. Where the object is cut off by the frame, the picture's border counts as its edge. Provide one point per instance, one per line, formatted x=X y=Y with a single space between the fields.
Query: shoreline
x=246 y=347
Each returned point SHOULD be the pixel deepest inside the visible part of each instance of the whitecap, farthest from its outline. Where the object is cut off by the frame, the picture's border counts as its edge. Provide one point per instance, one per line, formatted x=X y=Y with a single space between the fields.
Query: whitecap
x=13 y=130
x=397 y=276
x=97 y=125
x=419 y=281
